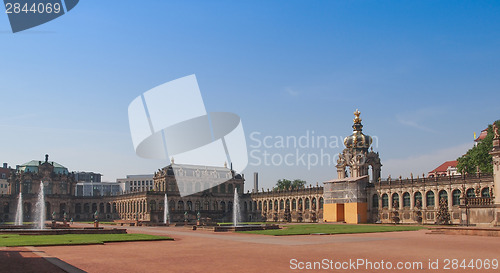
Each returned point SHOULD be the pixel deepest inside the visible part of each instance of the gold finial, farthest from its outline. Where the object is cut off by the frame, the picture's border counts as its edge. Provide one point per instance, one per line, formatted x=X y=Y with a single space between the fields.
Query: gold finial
x=356 y=114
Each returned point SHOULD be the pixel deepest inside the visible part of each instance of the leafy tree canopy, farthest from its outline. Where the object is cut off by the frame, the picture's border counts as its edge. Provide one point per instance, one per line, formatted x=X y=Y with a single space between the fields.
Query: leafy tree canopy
x=285 y=184
x=478 y=156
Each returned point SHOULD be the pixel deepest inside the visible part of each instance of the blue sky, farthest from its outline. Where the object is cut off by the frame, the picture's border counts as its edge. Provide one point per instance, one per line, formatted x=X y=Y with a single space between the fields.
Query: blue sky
x=424 y=74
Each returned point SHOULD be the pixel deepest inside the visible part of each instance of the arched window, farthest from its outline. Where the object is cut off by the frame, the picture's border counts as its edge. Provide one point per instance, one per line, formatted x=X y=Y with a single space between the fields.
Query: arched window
x=287 y=204
x=189 y=205
x=313 y=203
x=300 y=204
x=456 y=197
x=215 y=205
x=78 y=208
x=294 y=204
x=152 y=205
x=307 y=203
x=270 y=205
x=197 y=206
x=429 y=198
x=223 y=206
x=282 y=204
x=260 y=205
x=275 y=204
x=485 y=192
x=406 y=200
x=470 y=193
x=171 y=205
x=207 y=205
x=418 y=199
x=443 y=195
x=395 y=200
x=385 y=200
x=180 y=205
x=375 y=201
x=222 y=188
x=229 y=188
x=321 y=203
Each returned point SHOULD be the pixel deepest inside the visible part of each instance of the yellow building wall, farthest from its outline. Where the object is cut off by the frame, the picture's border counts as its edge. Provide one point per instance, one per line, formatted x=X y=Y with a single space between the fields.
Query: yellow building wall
x=333 y=213
x=356 y=213
x=351 y=213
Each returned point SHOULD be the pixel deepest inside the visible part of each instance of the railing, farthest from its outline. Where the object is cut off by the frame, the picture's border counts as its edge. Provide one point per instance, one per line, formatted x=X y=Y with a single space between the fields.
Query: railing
x=479 y=201
x=400 y=180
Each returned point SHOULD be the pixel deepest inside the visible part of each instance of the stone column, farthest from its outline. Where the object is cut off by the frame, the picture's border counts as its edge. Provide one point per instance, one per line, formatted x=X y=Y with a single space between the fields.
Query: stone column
x=495 y=153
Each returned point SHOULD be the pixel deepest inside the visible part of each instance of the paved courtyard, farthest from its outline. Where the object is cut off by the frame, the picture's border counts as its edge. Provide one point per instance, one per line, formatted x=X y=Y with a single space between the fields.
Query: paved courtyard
x=205 y=251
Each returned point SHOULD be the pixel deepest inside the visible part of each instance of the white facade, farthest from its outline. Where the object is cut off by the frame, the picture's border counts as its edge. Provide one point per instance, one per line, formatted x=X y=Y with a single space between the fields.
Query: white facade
x=97 y=189
x=136 y=183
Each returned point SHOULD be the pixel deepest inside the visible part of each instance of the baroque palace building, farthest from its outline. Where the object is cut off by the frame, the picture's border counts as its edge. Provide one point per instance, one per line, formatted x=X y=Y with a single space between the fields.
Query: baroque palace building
x=358 y=195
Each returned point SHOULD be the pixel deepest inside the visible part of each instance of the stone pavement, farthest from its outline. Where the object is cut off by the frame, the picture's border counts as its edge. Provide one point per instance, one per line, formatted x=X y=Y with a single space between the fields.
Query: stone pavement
x=205 y=251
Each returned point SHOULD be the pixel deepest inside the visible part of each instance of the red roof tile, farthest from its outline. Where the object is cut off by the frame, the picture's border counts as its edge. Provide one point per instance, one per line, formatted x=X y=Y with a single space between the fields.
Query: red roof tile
x=443 y=167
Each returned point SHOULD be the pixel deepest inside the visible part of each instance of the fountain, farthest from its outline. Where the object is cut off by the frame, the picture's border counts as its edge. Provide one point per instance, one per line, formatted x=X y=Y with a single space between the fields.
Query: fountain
x=237 y=225
x=40 y=209
x=39 y=224
x=19 y=211
x=236 y=208
x=166 y=219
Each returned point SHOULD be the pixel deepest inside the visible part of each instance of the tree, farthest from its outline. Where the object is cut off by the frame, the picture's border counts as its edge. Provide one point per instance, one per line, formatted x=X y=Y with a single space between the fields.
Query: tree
x=443 y=215
x=285 y=184
x=478 y=156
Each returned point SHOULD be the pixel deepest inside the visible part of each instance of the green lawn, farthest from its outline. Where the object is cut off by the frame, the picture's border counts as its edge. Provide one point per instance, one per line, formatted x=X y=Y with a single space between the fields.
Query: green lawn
x=245 y=223
x=304 y=229
x=73 y=239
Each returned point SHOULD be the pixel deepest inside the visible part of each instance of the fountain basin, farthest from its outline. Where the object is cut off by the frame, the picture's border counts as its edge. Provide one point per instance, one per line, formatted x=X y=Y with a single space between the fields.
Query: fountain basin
x=245 y=227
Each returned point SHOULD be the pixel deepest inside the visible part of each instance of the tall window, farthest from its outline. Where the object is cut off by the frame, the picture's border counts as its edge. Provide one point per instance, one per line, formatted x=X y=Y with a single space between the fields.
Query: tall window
x=321 y=202
x=456 y=197
x=443 y=195
x=385 y=200
x=395 y=200
x=429 y=197
x=375 y=201
x=406 y=200
x=294 y=204
x=485 y=192
x=470 y=193
x=418 y=199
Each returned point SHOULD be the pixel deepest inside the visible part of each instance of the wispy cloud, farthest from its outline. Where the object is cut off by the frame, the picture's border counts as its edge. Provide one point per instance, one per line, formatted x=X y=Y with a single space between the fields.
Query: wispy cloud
x=419 y=118
x=292 y=92
x=422 y=163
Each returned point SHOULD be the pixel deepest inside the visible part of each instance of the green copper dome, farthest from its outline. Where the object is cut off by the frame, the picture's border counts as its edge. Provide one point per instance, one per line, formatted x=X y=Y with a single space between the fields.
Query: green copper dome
x=33 y=166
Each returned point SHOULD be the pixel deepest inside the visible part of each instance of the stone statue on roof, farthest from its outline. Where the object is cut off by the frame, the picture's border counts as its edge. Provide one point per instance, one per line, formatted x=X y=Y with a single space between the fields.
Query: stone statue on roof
x=495 y=131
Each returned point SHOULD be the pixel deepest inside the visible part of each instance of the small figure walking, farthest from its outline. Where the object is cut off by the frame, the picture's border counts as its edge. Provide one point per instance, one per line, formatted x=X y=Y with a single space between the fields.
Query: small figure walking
x=71 y=221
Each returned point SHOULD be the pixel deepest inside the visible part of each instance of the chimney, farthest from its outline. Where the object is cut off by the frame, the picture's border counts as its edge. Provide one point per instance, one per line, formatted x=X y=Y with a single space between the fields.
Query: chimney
x=5 y=165
x=255 y=182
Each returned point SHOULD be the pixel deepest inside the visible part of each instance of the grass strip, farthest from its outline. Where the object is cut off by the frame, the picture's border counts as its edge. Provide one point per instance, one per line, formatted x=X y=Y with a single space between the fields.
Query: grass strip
x=307 y=229
x=74 y=239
